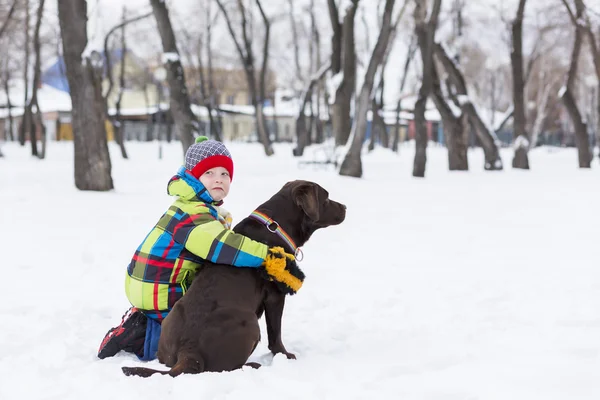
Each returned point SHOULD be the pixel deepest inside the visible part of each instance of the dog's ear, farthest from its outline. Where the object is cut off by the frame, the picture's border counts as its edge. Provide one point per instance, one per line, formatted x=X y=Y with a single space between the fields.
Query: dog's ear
x=307 y=198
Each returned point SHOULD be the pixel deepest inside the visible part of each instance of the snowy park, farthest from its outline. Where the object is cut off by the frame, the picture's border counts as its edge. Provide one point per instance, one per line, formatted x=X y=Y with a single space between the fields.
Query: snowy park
x=478 y=285
x=462 y=139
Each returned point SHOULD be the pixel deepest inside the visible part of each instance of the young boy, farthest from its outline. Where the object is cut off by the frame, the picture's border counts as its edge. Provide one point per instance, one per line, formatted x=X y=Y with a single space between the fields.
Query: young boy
x=195 y=228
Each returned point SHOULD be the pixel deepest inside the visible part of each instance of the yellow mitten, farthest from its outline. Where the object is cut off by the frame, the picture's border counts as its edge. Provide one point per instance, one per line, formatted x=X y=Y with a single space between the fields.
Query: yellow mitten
x=280 y=267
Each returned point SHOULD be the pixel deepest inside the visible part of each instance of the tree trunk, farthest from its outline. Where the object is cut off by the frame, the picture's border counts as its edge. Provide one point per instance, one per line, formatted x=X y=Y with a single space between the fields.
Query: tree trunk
x=352 y=164
x=521 y=141
x=316 y=40
x=206 y=97
x=37 y=73
x=118 y=129
x=9 y=106
x=340 y=110
x=28 y=121
x=216 y=127
x=25 y=127
x=336 y=37
x=486 y=136
x=378 y=129
x=425 y=32
x=412 y=48
x=9 y=17
x=581 y=136
x=262 y=80
x=181 y=111
x=455 y=127
x=542 y=103
x=295 y=41
x=247 y=58
x=302 y=133
x=92 y=160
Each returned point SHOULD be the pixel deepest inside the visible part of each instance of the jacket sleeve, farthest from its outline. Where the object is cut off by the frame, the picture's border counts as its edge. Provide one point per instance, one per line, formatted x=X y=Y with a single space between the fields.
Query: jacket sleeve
x=207 y=238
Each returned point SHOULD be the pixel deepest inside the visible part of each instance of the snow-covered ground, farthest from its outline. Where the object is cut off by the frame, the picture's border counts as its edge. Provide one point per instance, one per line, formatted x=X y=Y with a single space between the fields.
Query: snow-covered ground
x=458 y=286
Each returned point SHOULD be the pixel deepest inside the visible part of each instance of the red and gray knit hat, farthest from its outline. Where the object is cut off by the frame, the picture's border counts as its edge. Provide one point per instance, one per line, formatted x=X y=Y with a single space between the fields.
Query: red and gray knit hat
x=206 y=154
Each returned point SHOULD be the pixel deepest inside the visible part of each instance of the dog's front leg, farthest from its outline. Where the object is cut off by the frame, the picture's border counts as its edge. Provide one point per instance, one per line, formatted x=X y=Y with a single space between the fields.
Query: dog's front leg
x=274 y=303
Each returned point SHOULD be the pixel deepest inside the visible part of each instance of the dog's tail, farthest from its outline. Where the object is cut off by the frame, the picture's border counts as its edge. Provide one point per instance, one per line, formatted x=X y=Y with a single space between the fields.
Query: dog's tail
x=186 y=365
x=143 y=372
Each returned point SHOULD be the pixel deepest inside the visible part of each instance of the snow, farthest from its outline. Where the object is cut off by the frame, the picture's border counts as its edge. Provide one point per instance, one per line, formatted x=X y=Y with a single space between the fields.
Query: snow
x=169 y=57
x=435 y=288
x=343 y=9
x=562 y=91
x=463 y=99
x=49 y=99
x=333 y=85
x=521 y=142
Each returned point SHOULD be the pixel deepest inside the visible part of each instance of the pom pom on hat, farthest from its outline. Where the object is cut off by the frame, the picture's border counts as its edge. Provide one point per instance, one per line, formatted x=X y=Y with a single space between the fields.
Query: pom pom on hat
x=206 y=154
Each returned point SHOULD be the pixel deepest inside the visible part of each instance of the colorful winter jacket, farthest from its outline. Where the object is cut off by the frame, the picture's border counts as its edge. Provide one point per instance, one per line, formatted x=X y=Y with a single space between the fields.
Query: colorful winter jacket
x=191 y=231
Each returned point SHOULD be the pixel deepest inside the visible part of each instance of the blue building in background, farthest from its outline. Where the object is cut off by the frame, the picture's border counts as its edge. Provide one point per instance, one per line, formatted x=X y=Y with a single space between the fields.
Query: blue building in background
x=56 y=74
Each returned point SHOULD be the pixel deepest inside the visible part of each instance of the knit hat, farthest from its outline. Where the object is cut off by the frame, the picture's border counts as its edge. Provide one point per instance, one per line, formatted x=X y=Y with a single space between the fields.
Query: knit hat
x=206 y=154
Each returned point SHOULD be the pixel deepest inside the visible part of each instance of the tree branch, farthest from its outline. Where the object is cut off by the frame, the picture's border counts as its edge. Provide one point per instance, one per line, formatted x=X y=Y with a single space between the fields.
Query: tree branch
x=263 y=70
x=231 y=31
x=571 y=14
x=107 y=53
x=8 y=17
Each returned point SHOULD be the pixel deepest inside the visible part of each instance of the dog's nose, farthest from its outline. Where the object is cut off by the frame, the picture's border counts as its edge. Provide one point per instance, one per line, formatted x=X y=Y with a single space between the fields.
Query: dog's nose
x=343 y=206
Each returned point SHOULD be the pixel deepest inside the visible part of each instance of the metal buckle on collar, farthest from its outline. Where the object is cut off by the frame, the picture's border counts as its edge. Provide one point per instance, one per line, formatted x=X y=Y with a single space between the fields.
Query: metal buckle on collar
x=299 y=254
x=272 y=230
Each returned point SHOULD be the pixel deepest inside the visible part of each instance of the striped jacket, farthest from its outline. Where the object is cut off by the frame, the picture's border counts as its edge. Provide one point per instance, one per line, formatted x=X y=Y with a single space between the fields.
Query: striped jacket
x=191 y=231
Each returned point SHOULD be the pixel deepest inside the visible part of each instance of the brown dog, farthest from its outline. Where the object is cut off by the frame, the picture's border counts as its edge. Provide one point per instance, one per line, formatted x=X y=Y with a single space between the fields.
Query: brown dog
x=214 y=327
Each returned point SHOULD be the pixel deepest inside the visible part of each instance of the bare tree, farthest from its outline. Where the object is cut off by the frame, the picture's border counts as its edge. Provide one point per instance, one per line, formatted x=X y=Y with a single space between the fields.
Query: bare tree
x=5 y=71
x=485 y=134
x=455 y=125
x=9 y=106
x=425 y=32
x=37 y=74
x=594 y=42
x=295 y=41
x=343 y=68
x=352 y=164
x=246 y=54
x=185 y=120
x=9 y=17
x=542 y=99
x=412 y=48
x=521 y=139
x=378 y=127
x=92 y=160
x=29 y=126
x=568 y=95
x=315 y=43
x=116 y=119
x=26 y=124
x=205 y=81
x=301 y=129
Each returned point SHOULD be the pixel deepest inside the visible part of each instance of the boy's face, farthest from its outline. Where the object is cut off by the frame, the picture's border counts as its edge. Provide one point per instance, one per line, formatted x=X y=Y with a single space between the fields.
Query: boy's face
x=216 y=181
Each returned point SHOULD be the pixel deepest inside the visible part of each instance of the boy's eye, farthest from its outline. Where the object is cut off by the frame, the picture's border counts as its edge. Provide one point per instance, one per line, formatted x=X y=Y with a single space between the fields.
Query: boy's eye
x=208 y=172
x=225 y=173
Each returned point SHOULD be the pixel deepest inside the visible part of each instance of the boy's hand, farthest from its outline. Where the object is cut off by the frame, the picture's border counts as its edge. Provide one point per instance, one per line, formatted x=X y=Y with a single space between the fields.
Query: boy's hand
x=280 y=267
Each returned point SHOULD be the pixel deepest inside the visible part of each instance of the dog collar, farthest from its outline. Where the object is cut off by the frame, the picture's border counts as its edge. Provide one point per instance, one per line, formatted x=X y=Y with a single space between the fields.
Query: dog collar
x=274 y=227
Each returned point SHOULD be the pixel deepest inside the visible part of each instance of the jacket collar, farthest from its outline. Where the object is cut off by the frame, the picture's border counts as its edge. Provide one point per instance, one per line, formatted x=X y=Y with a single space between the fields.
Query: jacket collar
x=192 y=189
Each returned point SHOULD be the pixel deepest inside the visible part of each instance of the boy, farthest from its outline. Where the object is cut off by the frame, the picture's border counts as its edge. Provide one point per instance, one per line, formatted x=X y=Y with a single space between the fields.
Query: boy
x=195 y=228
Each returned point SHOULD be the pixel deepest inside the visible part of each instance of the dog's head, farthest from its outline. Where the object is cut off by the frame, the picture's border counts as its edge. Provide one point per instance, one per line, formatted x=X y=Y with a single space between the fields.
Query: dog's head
x=314 y=202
